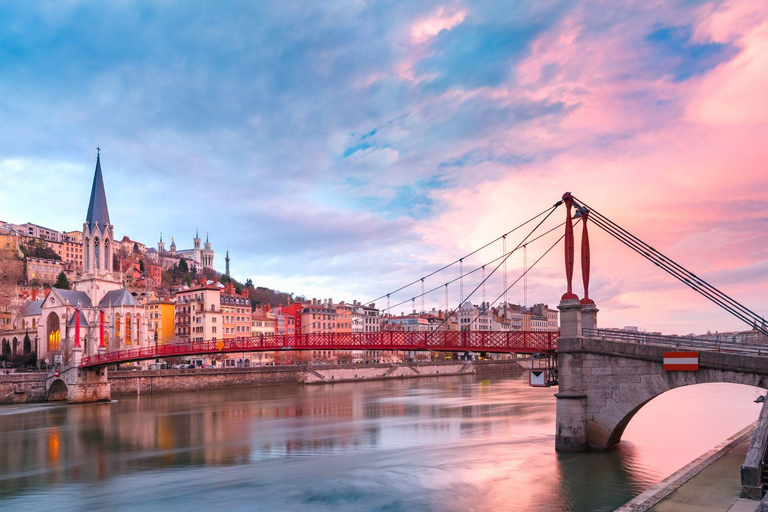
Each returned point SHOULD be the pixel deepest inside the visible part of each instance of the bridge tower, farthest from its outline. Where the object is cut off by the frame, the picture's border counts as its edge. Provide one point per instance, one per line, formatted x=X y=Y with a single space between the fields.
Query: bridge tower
x=575 y=314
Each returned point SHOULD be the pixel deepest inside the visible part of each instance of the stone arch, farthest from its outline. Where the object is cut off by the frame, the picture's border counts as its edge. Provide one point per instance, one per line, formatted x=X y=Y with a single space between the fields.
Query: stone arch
x=15 y=346
x=58 y=391
x=53 y=328
x=606 y=423
x=6 y=348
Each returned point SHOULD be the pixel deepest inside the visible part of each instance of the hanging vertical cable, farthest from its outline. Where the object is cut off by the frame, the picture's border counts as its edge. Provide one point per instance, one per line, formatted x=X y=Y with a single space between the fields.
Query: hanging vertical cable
x=461 y=280
x=504 y=251
x=525 y=276
x=422 y=296
x=445 y=322
x=483 y=284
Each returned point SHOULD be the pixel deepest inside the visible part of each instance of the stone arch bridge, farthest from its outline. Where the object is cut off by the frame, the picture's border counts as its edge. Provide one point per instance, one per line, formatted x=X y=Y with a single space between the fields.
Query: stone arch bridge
x=606 y=377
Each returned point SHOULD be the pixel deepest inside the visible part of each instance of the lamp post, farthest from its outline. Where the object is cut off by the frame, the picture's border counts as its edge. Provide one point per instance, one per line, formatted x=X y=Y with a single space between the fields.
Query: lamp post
x=37 y=351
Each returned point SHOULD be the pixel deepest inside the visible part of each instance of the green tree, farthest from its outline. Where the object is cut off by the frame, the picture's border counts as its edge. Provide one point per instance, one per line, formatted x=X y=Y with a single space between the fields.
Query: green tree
x=135 y=247
x=27 y=343
x=62 y=283
x=183 y=267
x=248 y=283
x=38 y=248
x=141 y=265
x=224 y=279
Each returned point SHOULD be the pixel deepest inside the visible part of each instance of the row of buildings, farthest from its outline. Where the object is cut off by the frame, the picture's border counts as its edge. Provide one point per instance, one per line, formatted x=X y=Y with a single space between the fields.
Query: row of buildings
x=112 y=312
x=68 y=246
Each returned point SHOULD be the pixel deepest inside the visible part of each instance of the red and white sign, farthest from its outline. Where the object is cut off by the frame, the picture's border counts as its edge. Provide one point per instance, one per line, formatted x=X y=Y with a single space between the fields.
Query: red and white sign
x=681 y=361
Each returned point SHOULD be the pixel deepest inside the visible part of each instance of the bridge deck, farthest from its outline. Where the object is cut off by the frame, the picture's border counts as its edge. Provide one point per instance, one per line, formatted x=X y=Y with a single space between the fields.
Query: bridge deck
x=451 y=341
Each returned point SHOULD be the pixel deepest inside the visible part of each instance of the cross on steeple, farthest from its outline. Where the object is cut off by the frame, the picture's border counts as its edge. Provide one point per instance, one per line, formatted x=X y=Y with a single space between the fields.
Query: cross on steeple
x=98 y=152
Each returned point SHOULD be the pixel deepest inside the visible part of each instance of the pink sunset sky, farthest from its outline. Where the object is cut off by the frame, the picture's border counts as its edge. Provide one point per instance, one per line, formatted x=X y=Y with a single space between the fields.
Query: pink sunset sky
x=343 y=151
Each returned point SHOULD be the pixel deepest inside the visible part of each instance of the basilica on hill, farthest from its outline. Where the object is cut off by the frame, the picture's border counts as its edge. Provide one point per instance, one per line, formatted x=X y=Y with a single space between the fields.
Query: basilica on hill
x=110 y=317
x=197 y=258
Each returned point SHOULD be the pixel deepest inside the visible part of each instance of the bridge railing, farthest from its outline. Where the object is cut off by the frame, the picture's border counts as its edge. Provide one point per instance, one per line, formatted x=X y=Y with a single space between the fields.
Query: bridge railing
x=449 y=341
x=677 y=342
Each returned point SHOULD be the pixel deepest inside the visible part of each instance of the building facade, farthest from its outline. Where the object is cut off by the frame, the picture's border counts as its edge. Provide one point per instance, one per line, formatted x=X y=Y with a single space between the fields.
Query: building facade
x=161 y=318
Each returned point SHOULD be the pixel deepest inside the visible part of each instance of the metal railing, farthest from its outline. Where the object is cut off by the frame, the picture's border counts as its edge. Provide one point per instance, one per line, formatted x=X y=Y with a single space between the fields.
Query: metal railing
x=678 y=342
x=442 y=341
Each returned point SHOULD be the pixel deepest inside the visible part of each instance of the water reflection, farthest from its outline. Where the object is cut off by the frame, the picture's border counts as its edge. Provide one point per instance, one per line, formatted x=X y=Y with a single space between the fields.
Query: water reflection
x=449 y=443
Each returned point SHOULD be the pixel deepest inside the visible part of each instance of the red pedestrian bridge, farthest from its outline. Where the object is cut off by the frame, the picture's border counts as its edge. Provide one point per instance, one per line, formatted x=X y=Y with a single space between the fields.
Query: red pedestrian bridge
x=520 y=342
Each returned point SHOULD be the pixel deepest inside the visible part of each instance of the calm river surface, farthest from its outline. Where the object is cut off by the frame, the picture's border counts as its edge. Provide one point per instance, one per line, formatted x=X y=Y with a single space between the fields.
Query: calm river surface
x=469 y=443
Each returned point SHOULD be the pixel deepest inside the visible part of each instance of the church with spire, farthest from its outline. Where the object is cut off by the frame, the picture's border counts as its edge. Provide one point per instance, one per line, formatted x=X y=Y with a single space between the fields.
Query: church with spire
x=98 y=308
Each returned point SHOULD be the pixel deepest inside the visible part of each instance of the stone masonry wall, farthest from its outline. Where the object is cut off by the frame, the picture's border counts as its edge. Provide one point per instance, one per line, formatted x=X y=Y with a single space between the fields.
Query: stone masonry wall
x=22 y=387
x=31 y=387
x=161 y=381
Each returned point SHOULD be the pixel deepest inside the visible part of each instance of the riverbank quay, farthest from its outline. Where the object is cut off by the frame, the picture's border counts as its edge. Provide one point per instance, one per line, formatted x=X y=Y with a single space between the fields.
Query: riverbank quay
x=709 y=483
x=168 y=381
x=30 y=387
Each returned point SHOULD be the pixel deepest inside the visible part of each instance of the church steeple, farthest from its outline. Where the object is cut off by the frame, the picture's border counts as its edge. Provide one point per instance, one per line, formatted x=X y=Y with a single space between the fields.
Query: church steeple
x=98 y=248
x=97 y=208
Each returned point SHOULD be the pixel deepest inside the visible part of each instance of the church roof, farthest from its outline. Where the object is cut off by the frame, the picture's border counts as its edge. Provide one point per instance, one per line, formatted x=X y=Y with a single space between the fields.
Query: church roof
x=83 y=321
x=74 y=297
x=119 y=297
x=97 y=208
x=32 y=308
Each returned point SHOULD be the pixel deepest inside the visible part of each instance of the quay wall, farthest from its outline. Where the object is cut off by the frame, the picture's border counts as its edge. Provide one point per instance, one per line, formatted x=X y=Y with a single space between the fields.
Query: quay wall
x=18 y=388
x=165 y=381
x=31 y=387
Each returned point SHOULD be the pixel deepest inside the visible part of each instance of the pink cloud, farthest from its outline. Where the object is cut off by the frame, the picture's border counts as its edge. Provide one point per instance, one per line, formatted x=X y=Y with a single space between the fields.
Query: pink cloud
x=444 y=18
x=680 y=181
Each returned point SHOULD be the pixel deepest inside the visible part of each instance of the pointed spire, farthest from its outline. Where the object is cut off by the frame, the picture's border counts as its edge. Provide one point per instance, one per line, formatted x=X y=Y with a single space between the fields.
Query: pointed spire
x=161 y=236
x=197 y=232
x=97 y=208
x=206 y=237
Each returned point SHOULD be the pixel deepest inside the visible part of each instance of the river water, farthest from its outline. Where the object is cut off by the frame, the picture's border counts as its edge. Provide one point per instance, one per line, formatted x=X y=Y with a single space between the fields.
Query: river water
x=467 y=443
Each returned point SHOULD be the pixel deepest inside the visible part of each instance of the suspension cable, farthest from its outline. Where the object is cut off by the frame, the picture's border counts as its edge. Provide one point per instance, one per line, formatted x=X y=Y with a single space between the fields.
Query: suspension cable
x=676 y=270
x=475 y=269
x=522 y=242
x=465 y=256
x=525 y=273
x=682 y=277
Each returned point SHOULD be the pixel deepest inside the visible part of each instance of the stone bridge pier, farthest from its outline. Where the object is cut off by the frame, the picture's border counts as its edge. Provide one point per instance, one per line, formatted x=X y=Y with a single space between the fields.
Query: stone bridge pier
x=603 y=384
x=77 y=385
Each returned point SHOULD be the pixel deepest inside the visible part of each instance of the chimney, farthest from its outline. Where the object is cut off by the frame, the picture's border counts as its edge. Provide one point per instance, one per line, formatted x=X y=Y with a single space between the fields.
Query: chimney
x=245 y=293
x=203 y=282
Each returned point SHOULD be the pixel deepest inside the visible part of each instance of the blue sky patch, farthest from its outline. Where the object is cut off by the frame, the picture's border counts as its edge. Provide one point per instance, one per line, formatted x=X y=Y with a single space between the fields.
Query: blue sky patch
x=675 y=54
